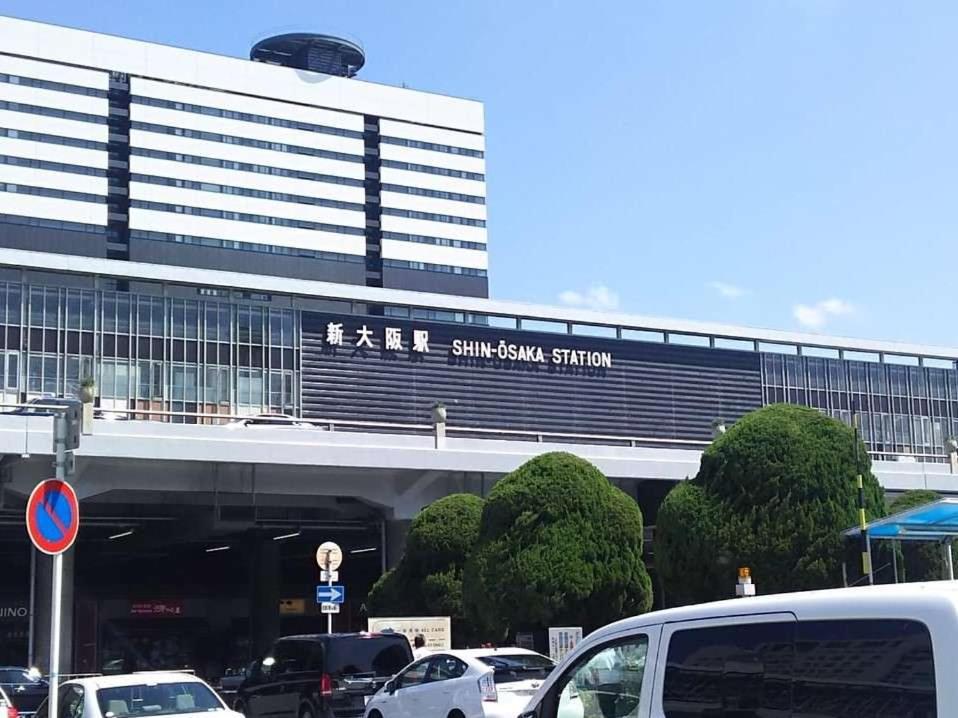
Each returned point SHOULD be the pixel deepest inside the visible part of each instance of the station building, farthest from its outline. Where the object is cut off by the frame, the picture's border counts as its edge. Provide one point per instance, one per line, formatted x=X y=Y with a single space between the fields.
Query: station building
x=211 y=238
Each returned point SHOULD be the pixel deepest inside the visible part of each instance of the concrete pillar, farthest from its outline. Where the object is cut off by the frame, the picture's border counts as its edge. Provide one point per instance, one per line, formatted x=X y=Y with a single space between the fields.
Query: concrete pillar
x=41 y=623
x=265 y=587
x=396 y=533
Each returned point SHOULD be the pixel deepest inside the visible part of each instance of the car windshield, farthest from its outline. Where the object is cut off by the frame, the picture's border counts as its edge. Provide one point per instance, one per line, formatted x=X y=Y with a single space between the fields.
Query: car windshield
x=17 y=676
x=518 y=667
x=373 y=655
x=157 y=699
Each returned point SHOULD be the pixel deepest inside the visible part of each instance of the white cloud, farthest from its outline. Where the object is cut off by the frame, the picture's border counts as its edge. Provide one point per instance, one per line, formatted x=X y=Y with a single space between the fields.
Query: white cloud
x=598 y=297
x=729 y=291
x=817 y=315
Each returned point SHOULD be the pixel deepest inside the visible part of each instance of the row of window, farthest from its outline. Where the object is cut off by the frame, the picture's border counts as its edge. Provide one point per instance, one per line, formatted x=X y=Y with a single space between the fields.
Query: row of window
x=435 y=193
x=246 y=217
x=52 y=139
x=427 y=267
x=433 y=217
x=437 y=241
x=245 y=246
x=52 y=112
x=54 y=166
x=57 y=193
x=819 y=373
x=246 y=192
x=428 y=169
x=433 y=146
x=244 y=166
x=245 y=116
x=245 y=142
x=52 y=224
x=51 y=85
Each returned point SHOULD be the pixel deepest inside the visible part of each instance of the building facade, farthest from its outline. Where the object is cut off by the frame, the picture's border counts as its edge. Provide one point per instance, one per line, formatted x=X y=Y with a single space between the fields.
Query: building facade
x=122 y=149
x=162 y=348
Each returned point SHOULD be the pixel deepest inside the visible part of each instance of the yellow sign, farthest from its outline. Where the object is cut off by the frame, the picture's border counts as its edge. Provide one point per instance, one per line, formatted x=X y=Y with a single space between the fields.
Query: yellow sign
x=744 y=572
x=292 y=606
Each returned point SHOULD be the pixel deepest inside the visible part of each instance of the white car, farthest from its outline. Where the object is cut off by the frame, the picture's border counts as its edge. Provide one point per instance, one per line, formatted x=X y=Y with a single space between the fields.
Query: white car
x=474 y=683
x=138 y=695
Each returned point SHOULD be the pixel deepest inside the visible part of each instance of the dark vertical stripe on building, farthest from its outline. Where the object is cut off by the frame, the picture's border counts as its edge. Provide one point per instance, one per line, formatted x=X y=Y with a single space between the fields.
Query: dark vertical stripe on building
x=374 y=234
x=118 y=147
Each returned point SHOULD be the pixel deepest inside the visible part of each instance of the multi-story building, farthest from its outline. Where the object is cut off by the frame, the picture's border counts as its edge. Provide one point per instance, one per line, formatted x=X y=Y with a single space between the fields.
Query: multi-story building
x=285 y=165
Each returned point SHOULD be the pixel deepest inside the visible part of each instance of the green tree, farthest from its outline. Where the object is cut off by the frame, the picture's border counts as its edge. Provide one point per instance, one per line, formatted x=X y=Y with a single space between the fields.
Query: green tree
x=694 y=550
x=774 y=493
x=558 y=545
x=428 y=578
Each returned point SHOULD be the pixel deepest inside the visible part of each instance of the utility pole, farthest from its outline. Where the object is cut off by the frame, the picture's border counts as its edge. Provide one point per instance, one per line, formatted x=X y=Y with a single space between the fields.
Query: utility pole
x=862 y=523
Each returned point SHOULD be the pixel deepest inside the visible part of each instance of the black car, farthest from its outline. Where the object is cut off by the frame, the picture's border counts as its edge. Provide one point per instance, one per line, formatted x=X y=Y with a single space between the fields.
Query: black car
x=321 y=676
x=25 y=689
x=44 y=406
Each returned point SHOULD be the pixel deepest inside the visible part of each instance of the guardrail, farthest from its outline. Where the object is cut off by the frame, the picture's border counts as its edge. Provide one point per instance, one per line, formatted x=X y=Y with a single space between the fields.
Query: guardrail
x=331 y=425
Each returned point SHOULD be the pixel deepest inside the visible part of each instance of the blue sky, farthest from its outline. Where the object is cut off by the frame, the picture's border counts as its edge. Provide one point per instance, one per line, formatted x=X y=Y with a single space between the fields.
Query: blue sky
x=780 y=163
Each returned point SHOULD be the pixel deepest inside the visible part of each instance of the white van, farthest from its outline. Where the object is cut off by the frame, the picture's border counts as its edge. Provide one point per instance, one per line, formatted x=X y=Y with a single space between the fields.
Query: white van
x=888 y=651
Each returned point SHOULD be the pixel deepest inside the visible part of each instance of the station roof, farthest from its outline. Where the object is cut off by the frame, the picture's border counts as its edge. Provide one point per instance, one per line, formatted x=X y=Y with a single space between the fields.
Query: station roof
x=931 y=522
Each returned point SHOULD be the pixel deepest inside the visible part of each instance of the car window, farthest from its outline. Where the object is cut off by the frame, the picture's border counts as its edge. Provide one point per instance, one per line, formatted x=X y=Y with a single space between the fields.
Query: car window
x=444 y=668
x=71 y=702
x=510 y=668
x=414 y=675
x=156 y=699
x=605 y=682
x=367 y=655
x=291 y=657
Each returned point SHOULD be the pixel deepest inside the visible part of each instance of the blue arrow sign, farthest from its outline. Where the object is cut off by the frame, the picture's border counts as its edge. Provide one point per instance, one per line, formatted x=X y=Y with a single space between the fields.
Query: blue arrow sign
x=330 y=594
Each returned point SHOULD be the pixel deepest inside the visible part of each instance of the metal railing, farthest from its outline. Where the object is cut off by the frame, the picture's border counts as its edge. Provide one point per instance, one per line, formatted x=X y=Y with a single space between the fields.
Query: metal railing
x=357 y=425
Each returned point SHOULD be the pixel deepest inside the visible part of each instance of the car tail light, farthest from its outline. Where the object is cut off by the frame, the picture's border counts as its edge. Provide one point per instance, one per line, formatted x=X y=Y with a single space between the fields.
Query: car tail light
x=326 y=685
x=12 y=712
x=487 y=687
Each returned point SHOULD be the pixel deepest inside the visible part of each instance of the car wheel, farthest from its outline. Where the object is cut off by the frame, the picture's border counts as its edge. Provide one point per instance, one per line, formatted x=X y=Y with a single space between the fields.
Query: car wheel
x=375 y=714
x=456 y=714
x=305 y=712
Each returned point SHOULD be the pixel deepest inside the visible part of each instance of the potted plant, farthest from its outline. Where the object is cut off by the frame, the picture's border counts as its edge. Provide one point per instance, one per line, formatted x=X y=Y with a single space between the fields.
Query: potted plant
x=87 y=390
x=438 y=413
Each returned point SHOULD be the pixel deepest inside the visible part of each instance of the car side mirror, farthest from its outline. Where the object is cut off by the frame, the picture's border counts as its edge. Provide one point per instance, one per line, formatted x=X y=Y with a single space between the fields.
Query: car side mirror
x=390 y=686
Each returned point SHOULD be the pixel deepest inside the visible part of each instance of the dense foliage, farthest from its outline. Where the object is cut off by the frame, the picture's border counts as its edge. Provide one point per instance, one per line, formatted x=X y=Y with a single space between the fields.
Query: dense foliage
x=773 y=493
x=428 y=579
x=558 y=545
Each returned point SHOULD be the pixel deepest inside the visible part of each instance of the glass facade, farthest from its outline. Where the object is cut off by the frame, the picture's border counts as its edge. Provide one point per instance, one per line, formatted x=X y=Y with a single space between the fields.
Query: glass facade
x=187 y=354
x=149 y=353
x=903 y=410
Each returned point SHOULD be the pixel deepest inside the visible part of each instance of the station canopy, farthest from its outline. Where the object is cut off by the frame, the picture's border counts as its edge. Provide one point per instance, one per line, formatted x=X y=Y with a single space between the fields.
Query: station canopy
x=935 y=521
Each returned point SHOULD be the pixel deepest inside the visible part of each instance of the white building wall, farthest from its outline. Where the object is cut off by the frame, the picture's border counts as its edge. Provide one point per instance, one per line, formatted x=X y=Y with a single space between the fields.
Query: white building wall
x=338 y=107
x=450 y=256
x=253 y=180
x=146 y=219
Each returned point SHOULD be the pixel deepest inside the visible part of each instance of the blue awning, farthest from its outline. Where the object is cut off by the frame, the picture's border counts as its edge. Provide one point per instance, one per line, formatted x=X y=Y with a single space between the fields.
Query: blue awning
x=935 y=521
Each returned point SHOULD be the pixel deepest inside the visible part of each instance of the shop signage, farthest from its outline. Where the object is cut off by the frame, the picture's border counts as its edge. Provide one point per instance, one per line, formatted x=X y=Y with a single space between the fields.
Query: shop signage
x=292 y=607
x=437 y=630
x=562 y=640
x=14 y=611
x=156 y=608
x=416 y=341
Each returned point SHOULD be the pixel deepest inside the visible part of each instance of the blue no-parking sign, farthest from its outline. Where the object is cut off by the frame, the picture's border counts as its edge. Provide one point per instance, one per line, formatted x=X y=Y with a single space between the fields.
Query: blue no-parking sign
x=53 y=516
